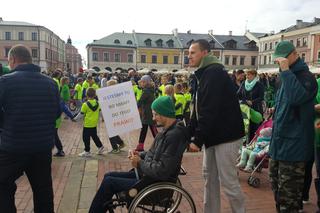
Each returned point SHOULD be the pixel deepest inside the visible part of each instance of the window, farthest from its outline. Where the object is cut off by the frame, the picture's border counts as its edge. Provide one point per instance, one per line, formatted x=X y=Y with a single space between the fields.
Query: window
x=270 y=46
x=148 y=42
x=265 y=47
x=21 y=36
x=154 y=59
x=226 y=60
x=165 y=59
x=275 y=43
x=117 y=57
x=253 y=60
x=298 y=42
x=6 y=51
x=143 y=58
x=117 y=41
x=159 y=43
x=130 y=58
x=234 y=60
x=304 y=42
x=231 y=44
x=94 y=56
x=129 y=42
x=34 y=36
x=303 y=56
x=265 y=59
x=212 y=43
x=175 y=59
x=8 y=36
x=106 y=57
x=170 y=43
x=34 y=53
x=242 y=60
x=186 y=60
x=269 y=59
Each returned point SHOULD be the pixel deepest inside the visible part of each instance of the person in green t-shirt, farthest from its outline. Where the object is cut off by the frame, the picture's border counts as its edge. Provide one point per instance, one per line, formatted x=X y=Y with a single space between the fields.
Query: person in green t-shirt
x=187 y=95
x=180 y=101
x=78 y=92
x=90 y=110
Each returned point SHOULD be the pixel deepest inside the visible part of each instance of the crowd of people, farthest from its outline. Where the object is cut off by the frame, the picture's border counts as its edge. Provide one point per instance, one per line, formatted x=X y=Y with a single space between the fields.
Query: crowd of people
x=207 y=103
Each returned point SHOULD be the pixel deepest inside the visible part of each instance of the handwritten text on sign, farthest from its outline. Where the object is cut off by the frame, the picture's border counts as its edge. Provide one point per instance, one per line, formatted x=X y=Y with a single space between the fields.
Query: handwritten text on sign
x=119 y=108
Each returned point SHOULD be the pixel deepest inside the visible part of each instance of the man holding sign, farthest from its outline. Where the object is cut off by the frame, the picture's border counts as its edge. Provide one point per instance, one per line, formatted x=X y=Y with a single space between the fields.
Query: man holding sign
x=161 y=163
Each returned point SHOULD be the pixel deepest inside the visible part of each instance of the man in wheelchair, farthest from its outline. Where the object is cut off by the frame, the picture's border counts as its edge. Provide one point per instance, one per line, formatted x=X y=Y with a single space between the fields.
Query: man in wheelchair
x=161 y=163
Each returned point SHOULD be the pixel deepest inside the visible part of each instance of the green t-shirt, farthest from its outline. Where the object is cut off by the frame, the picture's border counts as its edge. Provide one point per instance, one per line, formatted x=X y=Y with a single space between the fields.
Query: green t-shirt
x=65 y=93
x=94 y=86
x=91 y=117
x=78 y=92
x=58 y=83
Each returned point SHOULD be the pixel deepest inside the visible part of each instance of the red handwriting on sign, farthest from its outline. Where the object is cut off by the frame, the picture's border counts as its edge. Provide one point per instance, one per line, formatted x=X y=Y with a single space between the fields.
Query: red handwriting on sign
x=122 y=122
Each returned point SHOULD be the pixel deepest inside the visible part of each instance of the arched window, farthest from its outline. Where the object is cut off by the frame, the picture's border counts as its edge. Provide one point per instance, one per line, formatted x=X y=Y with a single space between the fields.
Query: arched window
x=129 y=42
x=117 y=41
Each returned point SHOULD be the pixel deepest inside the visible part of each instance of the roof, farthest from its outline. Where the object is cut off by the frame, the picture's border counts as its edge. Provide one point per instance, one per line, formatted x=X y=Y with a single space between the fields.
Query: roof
x=113 y=39
x=259 y=35
x=142 y=37
x=16 y=23
x=241 y=41
x=300 y=25
x=185 y=39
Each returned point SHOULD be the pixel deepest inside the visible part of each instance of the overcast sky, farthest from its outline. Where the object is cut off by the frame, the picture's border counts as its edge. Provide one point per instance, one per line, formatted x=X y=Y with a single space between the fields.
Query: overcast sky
x=85 y=21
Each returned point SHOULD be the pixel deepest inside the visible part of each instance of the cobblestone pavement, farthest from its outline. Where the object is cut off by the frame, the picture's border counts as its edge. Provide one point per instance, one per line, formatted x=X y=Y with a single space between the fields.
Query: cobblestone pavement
x=75 y=179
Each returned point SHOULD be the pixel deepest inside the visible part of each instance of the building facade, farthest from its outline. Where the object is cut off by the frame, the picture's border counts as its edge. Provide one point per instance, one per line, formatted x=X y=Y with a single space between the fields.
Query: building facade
x=47 y=49
x=73 y=58
x=167 y=51
x=304 y=35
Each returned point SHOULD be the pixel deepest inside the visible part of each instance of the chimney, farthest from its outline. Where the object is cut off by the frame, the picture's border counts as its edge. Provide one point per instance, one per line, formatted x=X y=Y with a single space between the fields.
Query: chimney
x=189 y=31
x=230 y=33
x=1 y=20
x=210 y=32
x=272 y=32
x=175 y=32
x=133 y=31
x=298 y=22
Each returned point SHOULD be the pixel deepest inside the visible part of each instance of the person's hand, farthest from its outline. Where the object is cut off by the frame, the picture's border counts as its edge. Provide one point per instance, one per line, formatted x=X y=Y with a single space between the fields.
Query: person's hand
x=270 y=110
x=131 y=153
x=283 y=63
x=317 y=107
x=135 y=159
x=193 y=148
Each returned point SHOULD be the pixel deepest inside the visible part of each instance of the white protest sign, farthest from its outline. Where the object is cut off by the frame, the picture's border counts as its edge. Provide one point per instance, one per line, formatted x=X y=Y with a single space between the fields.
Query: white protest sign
x=119 y=108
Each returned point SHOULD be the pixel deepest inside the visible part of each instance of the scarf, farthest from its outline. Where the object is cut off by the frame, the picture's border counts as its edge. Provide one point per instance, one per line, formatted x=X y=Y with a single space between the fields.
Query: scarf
x=249 y=85
x=208 y=60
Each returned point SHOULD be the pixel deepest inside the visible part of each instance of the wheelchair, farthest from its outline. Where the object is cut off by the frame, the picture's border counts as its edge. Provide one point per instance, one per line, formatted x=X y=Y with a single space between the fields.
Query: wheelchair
x=154 y=197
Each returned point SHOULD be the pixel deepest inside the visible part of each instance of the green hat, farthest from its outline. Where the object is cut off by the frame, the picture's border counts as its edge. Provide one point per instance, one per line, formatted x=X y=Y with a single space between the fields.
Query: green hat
x=164 y=106
x=283 y=49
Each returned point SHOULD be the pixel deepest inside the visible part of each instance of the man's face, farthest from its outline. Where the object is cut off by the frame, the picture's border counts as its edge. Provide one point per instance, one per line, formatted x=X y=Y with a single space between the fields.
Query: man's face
x=157 y=118
x=195 y=55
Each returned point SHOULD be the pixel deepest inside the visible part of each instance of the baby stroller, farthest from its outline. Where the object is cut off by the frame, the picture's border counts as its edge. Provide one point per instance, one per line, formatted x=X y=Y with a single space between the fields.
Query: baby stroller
x=262 y=160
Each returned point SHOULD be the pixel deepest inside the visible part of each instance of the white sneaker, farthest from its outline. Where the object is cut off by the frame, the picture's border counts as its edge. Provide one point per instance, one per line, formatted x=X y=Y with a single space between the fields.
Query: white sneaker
x=85 y=154
x=100 y=150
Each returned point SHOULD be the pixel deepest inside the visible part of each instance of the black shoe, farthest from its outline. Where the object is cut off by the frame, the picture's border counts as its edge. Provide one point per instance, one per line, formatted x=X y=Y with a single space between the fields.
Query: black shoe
x=60 y=154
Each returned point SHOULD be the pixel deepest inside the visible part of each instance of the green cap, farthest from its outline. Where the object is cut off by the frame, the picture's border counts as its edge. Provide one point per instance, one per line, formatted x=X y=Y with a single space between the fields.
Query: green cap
x=283 y=49
x=164 y=106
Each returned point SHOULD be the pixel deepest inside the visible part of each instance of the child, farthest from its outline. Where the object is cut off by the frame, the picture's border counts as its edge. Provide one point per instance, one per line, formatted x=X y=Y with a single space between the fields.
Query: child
x=180 y=101
x=90 y=110
x=262 y=142
x=188 y=98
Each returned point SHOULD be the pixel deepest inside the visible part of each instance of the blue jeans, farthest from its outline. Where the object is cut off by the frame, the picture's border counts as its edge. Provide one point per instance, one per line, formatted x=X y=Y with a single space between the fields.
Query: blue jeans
x=112 y=183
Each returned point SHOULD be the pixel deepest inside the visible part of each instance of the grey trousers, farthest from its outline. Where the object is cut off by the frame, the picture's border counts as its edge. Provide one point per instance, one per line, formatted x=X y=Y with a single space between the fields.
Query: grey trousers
x=219 y=168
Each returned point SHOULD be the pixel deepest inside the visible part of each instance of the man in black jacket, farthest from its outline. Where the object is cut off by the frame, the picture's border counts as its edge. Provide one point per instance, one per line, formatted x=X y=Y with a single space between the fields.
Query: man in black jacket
x=30 y=105
x=161 y=163
x=217 y=124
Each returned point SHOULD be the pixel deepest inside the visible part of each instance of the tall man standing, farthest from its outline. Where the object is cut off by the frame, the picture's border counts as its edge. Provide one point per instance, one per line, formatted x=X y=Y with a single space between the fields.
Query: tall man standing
x=30 y=103
x=293 y=128
x=217 y=124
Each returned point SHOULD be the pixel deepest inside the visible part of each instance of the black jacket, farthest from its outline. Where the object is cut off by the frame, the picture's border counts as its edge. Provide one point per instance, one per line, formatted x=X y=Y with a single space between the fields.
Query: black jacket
x=256 y=95
x=216 y=117
x=30 y=104
x=163 y=160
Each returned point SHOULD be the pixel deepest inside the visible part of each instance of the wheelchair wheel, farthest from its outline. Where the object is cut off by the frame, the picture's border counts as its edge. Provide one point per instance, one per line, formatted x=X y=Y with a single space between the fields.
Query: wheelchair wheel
x=160 y=197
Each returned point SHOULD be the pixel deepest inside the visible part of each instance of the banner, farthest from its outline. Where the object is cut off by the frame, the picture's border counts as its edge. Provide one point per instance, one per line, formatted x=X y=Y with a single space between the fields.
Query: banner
x=119 y=108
